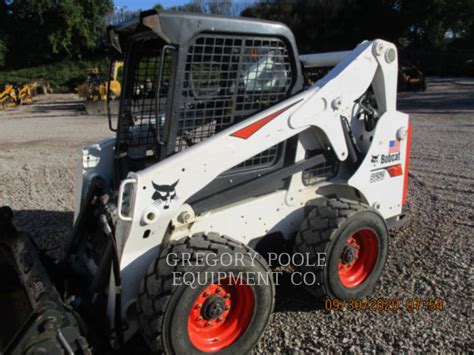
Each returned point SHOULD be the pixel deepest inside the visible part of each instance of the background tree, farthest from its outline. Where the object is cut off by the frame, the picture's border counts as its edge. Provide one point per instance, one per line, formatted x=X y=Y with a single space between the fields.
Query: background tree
x=335 y=24
x=3 y=34
x=38 y=31
x=121 y=14
x=437 y=24
x=35 y=32
x=216 y=7
x=321 y=25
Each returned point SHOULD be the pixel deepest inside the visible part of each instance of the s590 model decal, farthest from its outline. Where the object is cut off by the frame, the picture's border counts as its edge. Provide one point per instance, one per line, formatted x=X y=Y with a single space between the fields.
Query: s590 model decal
x=392 y=170
x=377 y=176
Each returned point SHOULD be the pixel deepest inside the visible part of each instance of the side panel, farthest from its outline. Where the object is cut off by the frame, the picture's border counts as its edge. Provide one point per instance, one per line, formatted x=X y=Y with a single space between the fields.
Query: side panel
x=254 y=217
x=380 y=177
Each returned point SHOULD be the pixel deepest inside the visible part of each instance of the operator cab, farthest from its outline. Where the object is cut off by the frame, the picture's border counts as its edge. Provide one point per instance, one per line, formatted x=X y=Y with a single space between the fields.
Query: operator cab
x=189 y=76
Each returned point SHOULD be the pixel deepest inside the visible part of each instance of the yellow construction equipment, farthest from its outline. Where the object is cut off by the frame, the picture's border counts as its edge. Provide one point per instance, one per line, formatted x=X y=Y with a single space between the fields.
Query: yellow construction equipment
x=34 y=85
x=8 y=97
x=410 y=78
x=40 y=86
x=114 y=82
x=94 y=89
x=24 y=95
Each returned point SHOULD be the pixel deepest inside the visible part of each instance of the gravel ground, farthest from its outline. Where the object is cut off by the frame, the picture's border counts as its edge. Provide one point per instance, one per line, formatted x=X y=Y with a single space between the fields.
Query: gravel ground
x=39 y=148
x=429 y=257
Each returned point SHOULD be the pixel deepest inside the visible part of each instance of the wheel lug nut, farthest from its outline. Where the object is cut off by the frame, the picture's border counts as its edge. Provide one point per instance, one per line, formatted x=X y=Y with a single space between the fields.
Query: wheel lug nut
x=208 y=324
x=199 y=305
x=219 y=290
x=219 y=319
x=227 y=308
x=227 y=295
x=199 y=318
x=206 y=294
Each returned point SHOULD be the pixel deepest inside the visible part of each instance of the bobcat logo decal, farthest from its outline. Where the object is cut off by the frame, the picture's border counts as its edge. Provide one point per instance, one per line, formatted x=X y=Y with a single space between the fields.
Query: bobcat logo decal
x=164 y=194
x=375 y=158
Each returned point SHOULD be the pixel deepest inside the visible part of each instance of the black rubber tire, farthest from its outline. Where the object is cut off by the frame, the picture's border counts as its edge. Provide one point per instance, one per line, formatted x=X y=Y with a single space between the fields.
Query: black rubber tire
x=163 y=307
x=325 y=230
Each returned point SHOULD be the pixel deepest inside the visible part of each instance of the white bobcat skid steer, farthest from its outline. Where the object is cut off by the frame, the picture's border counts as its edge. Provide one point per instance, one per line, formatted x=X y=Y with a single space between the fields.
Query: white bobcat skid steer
x=223 y=149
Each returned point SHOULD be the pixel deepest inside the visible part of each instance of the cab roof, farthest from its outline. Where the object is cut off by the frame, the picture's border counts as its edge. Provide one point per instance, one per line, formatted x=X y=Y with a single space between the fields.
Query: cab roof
x=178 y=28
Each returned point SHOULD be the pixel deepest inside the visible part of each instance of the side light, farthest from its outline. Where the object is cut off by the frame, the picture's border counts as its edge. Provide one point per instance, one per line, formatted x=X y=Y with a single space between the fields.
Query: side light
x=395 y=170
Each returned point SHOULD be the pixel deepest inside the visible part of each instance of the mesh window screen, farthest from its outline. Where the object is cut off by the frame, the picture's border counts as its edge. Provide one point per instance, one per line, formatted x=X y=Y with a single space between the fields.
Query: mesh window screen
x=319 y=172
x=138 y=122
x=226 y=80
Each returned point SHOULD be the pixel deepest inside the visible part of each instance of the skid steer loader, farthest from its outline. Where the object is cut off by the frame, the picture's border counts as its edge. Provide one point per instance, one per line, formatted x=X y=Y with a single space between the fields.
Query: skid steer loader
x=24 y=95
x=8 y=96
x=221 y=152
x=97 y=91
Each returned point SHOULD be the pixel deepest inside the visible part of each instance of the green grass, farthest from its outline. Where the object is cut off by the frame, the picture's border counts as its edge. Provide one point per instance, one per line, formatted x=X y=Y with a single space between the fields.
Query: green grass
x=62 y=76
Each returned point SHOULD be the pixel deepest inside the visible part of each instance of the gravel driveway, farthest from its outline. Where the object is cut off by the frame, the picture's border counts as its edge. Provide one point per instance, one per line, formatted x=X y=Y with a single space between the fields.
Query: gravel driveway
x=429 y=257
